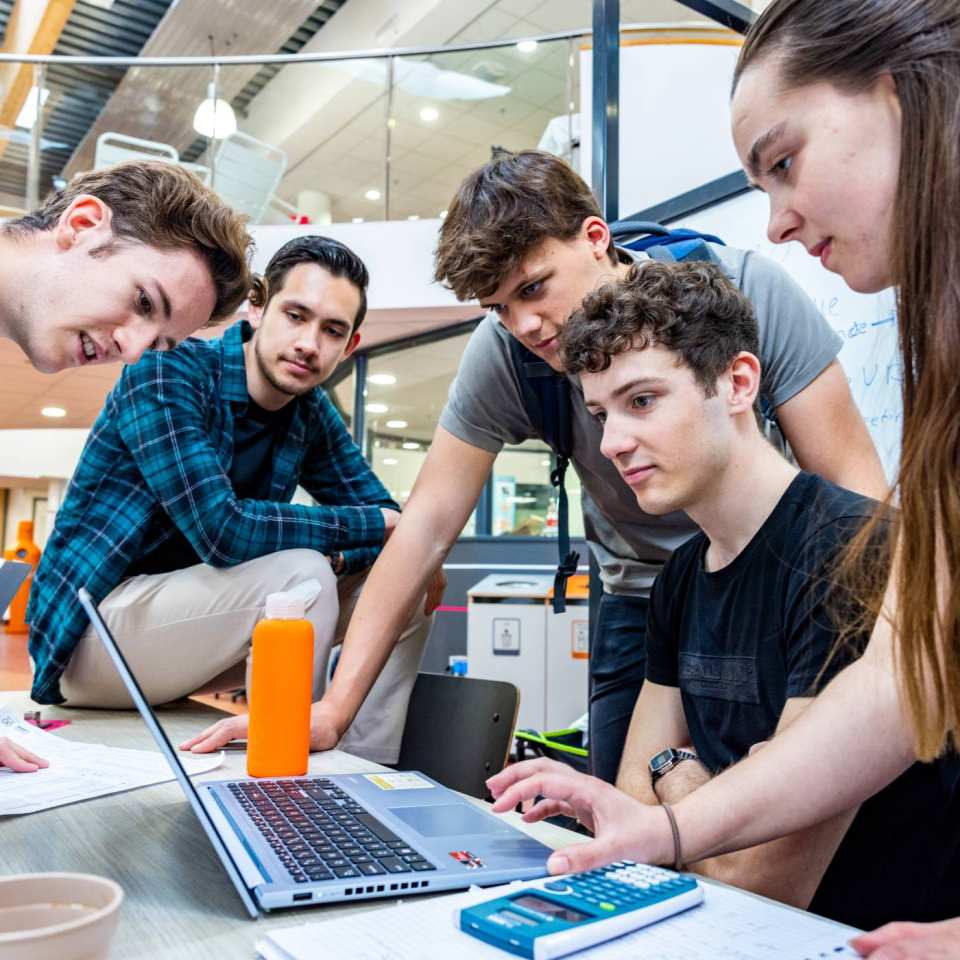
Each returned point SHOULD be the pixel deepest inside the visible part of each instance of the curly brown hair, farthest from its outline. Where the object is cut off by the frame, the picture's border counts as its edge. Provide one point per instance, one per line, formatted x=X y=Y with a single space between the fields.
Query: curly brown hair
x=691 y=309
x=502 y=212
x=164 y=206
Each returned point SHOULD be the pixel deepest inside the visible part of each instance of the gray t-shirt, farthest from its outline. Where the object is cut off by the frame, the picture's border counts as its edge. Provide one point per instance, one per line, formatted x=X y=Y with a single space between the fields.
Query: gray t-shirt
x=485 y=409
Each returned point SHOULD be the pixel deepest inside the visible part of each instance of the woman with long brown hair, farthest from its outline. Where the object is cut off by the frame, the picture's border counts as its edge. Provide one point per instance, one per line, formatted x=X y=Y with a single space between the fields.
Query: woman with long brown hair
x=847 y=114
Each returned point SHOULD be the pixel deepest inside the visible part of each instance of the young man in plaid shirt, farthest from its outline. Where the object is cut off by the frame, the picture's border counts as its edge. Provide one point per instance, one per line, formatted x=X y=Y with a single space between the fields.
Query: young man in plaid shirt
x=178 y=519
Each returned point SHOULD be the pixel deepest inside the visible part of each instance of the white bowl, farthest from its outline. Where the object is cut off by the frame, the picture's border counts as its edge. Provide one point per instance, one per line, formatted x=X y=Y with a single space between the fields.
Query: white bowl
x=57 y=916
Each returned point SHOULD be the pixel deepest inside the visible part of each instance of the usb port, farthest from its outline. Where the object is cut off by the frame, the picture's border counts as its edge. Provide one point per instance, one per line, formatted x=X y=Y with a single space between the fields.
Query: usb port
x=302 y=896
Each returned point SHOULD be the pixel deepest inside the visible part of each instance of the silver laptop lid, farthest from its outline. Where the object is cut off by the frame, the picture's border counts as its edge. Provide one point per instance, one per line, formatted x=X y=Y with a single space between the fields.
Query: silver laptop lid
x=153 y=725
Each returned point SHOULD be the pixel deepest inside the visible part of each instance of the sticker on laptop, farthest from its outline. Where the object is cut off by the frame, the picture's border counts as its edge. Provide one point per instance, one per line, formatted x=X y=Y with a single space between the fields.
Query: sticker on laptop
x=465 y=857
x=399 y=781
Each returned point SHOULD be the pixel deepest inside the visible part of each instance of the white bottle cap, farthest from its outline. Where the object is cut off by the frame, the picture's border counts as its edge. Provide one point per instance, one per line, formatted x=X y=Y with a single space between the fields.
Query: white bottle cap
x=284 y=606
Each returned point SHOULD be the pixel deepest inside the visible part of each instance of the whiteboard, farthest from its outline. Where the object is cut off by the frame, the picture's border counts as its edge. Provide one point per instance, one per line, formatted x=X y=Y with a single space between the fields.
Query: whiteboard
x=866 y=322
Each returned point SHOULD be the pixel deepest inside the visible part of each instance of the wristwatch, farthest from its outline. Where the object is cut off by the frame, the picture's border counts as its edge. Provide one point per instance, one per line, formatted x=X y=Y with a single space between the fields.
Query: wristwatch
x=666 y=760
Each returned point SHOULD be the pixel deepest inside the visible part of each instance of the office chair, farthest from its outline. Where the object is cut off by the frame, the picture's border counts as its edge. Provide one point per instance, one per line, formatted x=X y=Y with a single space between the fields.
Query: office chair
x=459 y=729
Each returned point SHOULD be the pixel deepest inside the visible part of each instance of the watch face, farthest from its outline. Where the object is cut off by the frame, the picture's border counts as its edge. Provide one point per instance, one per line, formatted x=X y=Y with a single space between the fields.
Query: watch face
x=661 y=760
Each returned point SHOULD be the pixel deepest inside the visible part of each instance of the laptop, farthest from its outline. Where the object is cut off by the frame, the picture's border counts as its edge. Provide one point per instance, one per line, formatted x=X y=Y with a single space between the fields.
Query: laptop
x=298 y=841
x=12 y=574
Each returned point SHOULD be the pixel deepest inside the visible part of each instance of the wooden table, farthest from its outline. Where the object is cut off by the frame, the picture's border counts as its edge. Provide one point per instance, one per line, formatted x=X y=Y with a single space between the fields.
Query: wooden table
x=179 y=902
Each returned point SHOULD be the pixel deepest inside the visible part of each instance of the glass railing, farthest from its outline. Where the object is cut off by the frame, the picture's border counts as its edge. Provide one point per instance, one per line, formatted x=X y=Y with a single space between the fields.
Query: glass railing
x=320 y=137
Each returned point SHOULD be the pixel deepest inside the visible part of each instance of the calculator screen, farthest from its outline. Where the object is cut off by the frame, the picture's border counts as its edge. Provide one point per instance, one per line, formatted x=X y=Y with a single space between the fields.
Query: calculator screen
x=550 y=908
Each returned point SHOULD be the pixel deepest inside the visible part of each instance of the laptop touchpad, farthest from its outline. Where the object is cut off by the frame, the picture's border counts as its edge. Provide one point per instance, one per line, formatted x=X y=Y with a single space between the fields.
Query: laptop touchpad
x=446 y=820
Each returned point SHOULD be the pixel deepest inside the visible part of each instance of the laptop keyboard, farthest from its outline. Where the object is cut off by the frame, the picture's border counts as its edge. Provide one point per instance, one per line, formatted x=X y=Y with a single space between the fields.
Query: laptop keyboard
x=319 y=832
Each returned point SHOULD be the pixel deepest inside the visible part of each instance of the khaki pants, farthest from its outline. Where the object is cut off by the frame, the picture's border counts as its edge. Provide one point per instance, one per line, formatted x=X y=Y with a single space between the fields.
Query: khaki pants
x=189 y=631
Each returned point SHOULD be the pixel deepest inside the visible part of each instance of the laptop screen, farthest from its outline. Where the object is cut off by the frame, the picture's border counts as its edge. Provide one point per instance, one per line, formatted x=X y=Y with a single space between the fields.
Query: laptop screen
x=166 y=748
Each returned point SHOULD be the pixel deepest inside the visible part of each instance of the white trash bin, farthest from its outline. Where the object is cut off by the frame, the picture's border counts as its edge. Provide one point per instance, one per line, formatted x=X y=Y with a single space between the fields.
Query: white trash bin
x=514 y=635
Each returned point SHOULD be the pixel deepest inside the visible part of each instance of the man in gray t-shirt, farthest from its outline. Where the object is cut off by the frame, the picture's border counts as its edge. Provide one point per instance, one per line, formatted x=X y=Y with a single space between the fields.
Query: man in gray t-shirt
x=524 y=236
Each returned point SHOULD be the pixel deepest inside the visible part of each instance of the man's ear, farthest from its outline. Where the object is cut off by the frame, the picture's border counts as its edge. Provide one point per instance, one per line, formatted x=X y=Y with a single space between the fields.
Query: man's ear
x=254 y=315
x=87 y=218
x=597 y=234
x=743 y=377
x=354 y=343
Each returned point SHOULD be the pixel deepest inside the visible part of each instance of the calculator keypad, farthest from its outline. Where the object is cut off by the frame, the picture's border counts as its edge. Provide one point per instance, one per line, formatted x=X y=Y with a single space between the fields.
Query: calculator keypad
x=627 y=884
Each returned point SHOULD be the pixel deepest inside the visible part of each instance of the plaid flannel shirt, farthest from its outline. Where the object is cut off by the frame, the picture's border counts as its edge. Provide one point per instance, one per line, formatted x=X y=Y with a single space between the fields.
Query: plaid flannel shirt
x=158 y=459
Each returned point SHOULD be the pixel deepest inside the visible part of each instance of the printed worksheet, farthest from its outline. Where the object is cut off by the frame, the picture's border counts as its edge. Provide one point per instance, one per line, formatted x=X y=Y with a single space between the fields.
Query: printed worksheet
x=79 y=771
x=729 y=924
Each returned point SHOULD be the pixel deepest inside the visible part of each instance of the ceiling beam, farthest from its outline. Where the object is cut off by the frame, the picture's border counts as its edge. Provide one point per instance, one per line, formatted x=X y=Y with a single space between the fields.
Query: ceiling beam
x=158 y=103
x=34 y=27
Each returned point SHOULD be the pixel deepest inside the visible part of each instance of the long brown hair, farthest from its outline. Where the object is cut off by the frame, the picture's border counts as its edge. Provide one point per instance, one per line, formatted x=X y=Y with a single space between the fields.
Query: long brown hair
x=851 y=44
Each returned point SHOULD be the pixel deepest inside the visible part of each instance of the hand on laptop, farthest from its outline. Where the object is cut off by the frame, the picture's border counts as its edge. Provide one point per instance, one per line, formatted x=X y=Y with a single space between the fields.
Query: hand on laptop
x=18 y=758
x=623 y=828
x=324 y=732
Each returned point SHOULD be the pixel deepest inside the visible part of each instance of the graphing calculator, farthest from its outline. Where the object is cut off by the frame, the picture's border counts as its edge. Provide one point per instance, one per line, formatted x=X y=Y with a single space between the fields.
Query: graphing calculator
x=571 y=913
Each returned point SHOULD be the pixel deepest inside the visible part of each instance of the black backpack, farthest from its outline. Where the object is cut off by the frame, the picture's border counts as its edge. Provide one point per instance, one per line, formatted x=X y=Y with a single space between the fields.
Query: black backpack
x=546 y=394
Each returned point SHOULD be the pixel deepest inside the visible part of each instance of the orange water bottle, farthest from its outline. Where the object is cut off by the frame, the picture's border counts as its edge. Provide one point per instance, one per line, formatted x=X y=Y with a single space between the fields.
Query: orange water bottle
x=281 y=688
x=26 y=551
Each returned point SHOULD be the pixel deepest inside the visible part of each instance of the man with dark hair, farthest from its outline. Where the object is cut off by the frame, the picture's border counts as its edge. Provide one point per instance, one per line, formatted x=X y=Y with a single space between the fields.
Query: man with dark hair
x=179 y=518
x=745 y=617
x=122 y=260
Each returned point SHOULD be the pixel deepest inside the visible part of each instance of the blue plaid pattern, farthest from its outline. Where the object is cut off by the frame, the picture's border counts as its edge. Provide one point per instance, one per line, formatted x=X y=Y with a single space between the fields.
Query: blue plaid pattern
x=158 y=459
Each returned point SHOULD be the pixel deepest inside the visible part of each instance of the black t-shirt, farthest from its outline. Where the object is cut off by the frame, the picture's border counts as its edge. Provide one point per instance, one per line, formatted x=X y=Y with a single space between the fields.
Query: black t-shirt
x=741 y=641
x=257 y=435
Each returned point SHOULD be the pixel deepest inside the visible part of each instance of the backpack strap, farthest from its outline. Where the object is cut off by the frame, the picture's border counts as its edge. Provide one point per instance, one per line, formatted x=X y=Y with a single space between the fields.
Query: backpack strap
x=661 y=243
x=546 y=398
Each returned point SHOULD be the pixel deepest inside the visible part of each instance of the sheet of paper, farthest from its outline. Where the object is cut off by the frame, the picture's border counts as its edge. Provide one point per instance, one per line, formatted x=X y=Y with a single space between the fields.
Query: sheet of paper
x=79 y=771
x=730 y=924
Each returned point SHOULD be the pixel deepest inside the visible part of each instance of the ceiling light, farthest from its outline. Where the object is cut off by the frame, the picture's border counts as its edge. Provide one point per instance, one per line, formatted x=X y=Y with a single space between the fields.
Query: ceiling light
x=54 y=412
x=396 y=424
x=390 y=461
x=414 y=216
x=27 y=116
x=527 y=46
x=429 y=114
x=544 y=463
x=376 y=408
x=411 y=445
x=214 y=117
x=372 y=194
x=382 y=379
x=358 y=219
x=443 y=214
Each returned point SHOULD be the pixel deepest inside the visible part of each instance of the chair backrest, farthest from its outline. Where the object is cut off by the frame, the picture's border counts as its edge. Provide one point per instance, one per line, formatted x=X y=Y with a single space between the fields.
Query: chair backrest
x=459 y=730
x=116 y=147
x=246 y=173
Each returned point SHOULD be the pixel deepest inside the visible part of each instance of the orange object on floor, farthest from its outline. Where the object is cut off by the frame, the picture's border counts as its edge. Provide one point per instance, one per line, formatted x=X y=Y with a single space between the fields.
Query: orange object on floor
x=26 y=551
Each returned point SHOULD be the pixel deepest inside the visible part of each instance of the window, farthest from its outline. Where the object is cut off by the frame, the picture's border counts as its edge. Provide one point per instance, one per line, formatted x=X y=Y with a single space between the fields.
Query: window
x=525 y=502
x=406 y=389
